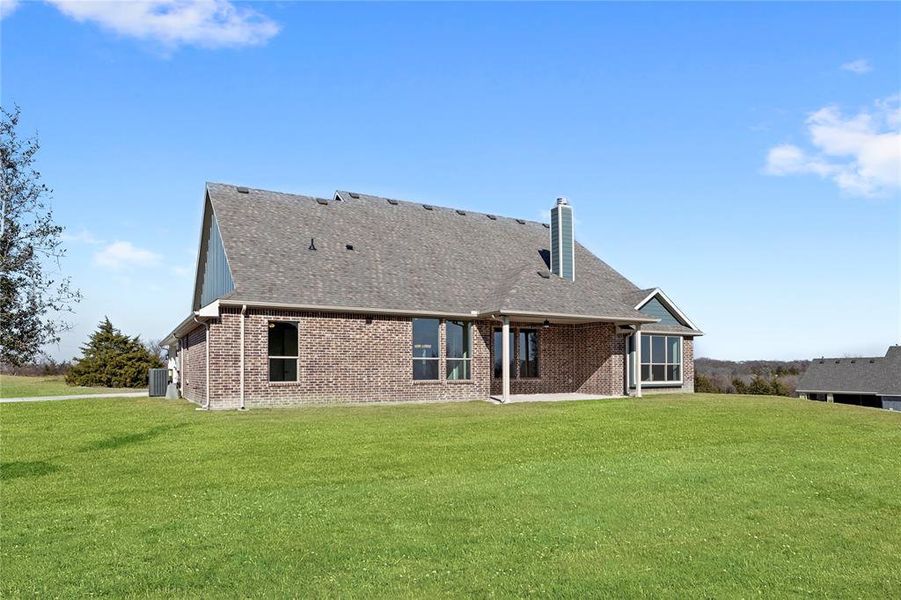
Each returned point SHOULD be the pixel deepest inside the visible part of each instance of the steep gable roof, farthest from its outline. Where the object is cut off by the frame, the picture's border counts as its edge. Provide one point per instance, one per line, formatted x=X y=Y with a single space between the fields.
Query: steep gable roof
x=405 y=257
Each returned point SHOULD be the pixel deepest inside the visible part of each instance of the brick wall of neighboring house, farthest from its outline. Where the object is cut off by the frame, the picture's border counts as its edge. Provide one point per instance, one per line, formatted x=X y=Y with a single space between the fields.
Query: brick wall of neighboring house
x=688 y=373
x=193 y=350
x=586 y=359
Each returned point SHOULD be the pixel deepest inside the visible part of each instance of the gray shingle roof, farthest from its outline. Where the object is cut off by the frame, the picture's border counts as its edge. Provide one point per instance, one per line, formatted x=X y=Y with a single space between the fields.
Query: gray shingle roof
x=404 y=257
x=869 y=375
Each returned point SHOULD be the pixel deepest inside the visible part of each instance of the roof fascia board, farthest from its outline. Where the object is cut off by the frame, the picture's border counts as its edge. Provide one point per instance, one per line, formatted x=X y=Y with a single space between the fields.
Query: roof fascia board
x=586 y=318
x=657 y=292
x=345 y=309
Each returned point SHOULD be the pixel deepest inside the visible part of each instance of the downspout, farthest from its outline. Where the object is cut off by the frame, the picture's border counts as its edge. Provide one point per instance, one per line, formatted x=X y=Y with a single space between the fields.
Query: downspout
x=243 y=311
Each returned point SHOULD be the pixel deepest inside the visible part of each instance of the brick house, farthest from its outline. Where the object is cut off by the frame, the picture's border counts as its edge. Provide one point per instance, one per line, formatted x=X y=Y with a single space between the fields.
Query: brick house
x=356 y=298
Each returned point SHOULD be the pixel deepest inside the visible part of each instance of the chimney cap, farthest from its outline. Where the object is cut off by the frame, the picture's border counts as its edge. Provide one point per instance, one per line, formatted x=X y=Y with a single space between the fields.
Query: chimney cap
x=562 y=201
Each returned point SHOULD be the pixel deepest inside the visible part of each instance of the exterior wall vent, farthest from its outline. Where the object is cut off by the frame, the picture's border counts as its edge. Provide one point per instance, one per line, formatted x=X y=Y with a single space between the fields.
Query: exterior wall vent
x=563 y=245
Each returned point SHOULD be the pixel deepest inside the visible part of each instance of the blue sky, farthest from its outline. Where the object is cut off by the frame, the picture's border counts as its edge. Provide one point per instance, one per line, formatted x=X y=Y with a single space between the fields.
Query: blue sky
x=742 y=157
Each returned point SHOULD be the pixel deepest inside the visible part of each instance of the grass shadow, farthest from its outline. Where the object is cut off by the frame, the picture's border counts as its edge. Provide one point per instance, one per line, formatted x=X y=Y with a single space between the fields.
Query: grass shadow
x=16 y=469
x=120 y=441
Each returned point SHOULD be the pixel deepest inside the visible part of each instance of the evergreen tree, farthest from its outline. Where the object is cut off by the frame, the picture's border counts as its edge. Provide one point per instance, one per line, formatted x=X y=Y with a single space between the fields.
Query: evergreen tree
x=112 y=359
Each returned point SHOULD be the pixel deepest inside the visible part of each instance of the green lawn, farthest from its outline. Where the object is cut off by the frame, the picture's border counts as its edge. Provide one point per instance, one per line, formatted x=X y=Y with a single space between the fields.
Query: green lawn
x=679 y=496
x=17 y=386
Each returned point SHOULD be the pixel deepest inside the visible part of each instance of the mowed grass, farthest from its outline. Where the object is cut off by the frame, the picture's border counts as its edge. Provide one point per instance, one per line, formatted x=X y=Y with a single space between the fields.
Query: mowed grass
x=20 y=386
x=679 y=496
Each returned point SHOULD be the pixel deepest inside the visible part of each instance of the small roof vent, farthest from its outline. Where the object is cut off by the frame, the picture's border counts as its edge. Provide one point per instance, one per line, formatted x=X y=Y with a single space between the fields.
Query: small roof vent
x=427 y=206
x=853 y=361
x=322 y=201
x=392 y=202
x=492 y=217
x=353 y=195
x=544 y=274
x=461 y=212
x=837 y=362
x=242 y=190
x=520 y=221
x=546 y=225
x=349 y=246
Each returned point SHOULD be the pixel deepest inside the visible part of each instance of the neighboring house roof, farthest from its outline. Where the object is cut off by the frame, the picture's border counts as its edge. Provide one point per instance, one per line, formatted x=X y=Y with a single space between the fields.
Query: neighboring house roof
x=405 y=257
x=869 y=375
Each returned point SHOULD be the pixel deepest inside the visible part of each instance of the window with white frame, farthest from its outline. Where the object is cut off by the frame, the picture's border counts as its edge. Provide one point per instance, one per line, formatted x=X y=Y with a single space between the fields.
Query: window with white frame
x=661 y=359
x=282 y=351
x=425 y=348
x=459 y=349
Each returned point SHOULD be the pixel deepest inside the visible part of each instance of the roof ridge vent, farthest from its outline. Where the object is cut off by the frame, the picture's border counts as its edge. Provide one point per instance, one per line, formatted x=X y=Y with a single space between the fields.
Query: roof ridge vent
x=461 y=212
x=492 y=217
x=392 y=202
x=353 y=195
x=322 y=201
x=242 y=190
x=521 y=221
x=428 y=206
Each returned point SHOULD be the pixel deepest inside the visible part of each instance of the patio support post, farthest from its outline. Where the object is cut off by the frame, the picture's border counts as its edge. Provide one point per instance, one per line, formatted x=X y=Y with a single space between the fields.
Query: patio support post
x=505 y=357
x=636 y=363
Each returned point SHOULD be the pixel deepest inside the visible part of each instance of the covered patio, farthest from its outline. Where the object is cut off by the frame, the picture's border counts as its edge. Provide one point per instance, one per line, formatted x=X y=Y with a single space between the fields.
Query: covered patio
x=581 y=357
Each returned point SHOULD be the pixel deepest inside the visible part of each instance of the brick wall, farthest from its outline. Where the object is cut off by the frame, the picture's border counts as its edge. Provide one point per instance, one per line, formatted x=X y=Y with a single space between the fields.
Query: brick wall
x=585 y=359
x=359 y=358
x=193 y=350
x=342 y=358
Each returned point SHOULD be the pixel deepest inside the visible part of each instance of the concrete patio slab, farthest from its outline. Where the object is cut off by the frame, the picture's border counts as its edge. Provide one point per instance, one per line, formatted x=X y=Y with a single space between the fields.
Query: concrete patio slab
x=517 y=398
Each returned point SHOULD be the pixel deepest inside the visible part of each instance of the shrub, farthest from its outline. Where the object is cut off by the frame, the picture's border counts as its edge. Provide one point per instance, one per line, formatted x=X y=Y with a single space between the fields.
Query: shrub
x=112 y=359
x=706 y=385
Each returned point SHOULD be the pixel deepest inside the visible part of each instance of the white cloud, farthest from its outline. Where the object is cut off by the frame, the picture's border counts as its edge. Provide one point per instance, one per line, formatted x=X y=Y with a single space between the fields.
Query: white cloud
x=82 y=236
x=124 y=254
x=859 y=66
x=181 y=271
x=8 y=7
x=173 y=23
x=860 y=153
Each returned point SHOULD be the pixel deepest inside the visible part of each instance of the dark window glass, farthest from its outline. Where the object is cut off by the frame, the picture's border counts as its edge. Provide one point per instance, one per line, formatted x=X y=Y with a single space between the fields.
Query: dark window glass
x=425 y=368
x=425 y=338
x=658 y=349
x=528 y=353
x=498 y=358
x=458 y=369
x=282 y=351
x=282 y=339
x=458 y=349
x=282 y=369
x=425 y=348
x=664 y=361
x=673 y=355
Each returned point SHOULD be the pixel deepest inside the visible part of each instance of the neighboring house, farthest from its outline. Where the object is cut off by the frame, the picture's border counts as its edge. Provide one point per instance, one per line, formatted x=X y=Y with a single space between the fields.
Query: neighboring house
x=874 y=382
x=364 y=299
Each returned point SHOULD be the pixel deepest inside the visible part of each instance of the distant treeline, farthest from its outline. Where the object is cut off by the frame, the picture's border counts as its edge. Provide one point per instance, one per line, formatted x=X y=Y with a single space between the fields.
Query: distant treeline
x=765 y=377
